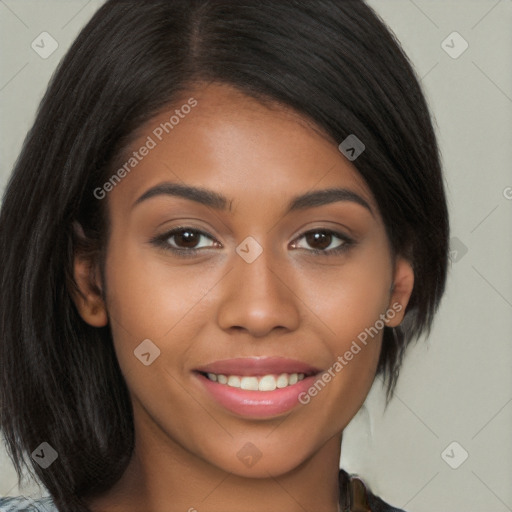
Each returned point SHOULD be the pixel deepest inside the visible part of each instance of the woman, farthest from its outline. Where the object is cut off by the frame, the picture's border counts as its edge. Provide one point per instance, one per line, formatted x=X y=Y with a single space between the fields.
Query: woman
x=228 y=218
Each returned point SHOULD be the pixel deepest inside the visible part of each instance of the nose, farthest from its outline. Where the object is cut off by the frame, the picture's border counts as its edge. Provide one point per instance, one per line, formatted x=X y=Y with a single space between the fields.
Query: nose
x=258 y=298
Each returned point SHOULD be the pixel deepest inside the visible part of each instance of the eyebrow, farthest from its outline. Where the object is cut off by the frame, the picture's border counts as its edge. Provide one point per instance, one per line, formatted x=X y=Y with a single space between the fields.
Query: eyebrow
x=219 y=202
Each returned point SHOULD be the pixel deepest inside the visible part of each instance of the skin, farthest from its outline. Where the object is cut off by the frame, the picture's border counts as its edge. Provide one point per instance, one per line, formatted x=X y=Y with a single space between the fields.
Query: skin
x=214 y=305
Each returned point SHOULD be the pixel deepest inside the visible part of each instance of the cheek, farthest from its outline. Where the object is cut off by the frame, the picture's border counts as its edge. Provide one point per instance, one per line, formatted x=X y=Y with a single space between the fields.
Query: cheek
x=348 y=301
x=150 y=300
x=149 y=297
x=349 y=309
x=349 y=298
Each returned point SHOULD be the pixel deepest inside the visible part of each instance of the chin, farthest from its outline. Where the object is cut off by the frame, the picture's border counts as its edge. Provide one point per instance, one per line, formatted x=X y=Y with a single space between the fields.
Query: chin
x=251 y=462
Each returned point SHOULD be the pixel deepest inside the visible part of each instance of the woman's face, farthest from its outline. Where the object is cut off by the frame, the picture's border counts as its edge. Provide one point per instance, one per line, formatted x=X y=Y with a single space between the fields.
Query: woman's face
x=270 y=276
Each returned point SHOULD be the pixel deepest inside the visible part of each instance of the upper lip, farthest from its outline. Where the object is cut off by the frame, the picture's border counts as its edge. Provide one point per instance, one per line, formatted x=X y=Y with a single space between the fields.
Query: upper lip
x=245 y=366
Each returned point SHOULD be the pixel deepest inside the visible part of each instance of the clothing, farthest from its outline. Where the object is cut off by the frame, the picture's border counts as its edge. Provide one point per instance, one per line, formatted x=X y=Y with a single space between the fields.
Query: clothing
x=22 y=504
x=354 y=496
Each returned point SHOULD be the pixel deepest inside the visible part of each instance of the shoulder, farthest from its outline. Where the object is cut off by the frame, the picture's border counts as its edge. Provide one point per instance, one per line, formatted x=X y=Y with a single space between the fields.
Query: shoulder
x=26 y=504
x=358 y=496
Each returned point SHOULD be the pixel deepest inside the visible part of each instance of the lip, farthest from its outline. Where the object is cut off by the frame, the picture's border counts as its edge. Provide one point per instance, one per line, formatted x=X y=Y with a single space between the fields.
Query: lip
x=258 y=366
x=257 y=404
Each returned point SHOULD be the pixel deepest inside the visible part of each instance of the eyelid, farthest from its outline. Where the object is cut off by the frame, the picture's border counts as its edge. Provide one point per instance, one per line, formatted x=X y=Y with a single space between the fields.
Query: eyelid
x=347 y=240
x=162 y=241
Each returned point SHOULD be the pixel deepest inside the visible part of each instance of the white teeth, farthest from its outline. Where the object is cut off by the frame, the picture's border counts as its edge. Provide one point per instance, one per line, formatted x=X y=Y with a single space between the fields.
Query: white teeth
x=267 y=383
x=252 y=383
x=282 y=380
x=234 y=381
x=249 y=383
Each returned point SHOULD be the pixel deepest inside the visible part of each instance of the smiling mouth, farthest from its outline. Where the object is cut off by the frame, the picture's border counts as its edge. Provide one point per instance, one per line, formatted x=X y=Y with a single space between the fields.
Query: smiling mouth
x=257 y=387
x=269 y=382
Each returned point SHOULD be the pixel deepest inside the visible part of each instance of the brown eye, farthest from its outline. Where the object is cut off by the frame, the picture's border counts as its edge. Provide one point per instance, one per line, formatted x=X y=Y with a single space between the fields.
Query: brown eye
x=186 y=238
x=319 y=239
x=324 y=241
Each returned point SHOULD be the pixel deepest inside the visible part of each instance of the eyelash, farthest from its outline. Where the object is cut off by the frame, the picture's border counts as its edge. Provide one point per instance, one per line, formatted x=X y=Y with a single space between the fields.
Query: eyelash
x=162 y=242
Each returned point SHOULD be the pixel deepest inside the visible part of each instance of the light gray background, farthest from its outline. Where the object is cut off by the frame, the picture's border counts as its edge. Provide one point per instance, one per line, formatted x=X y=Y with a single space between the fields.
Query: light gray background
x=457 y=386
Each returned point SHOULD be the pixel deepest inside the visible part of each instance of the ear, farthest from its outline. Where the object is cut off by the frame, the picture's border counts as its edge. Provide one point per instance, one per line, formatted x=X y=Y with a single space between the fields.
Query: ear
x=87 y=295
x=403 y=284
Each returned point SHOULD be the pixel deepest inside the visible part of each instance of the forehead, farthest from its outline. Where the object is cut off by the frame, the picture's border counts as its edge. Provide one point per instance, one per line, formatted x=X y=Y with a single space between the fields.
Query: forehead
x=232 y=143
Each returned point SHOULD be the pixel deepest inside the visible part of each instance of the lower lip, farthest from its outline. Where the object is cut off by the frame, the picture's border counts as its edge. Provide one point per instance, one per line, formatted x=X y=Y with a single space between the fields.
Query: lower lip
x=257 y=404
